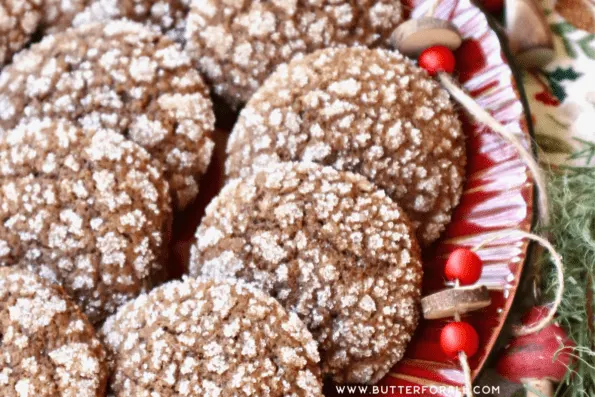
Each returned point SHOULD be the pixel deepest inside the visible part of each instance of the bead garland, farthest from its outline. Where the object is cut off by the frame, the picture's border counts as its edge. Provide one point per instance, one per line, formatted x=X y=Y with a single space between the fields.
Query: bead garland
x=459 y=338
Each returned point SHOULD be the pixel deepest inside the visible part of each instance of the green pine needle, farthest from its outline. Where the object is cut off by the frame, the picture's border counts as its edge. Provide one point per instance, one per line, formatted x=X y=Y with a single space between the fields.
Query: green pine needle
x=587 y=153
x=572 y=230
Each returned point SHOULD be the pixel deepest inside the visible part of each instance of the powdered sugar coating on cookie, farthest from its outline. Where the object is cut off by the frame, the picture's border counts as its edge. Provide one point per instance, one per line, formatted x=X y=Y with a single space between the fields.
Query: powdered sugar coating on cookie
x=166 y=16
x=87 y=210
x=19 y=19
x=330 y=247
x=48 y=347
x=368 y=111
x=199 y=337
x=59 y=14
x=122 y=76
x=238 y=43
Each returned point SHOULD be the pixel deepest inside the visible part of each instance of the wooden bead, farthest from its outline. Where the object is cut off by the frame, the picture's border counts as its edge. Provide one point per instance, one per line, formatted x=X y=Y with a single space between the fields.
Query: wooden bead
x=446 y=303
x=415 y=35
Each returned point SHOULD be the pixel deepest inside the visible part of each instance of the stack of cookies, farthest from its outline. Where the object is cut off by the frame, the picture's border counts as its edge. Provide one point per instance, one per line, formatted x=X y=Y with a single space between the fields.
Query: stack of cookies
x=345 y=162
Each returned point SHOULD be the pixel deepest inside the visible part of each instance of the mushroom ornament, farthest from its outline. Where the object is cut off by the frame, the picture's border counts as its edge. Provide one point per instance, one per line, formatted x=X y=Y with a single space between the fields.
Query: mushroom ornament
x=537 y=360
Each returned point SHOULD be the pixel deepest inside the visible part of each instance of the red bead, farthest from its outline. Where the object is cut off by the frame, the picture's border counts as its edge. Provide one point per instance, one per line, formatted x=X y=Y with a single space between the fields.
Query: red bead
x=463 y=265
x=459 y=337
x=437 y=59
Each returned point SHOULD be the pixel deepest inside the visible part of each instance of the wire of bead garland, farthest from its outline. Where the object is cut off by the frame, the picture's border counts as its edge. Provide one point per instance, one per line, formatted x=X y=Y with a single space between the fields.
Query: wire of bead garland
x=482 y=116
x=463 y=359
x=556 y=259
x=467 y=372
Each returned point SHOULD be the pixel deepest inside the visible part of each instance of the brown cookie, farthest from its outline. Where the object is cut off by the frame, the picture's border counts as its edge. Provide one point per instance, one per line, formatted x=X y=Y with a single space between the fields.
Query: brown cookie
x=48 y=347
x=372 y=112
x=166 y=16
x=199 y=337
x=122 y=76
x=19 y=19
x=237 y=44
x=59 y=14
x=330 y=247
x=88 y=210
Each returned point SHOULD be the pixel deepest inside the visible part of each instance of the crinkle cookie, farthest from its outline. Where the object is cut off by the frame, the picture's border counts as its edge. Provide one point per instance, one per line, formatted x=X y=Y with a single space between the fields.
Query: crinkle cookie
x=167 y=16
x=237 y=44
x=330 y=247
x=199 y=337
x=88 y=210
x=48 y=348
x=19 y=19
x=122 y=76
x=59 y=14
x=372 y=112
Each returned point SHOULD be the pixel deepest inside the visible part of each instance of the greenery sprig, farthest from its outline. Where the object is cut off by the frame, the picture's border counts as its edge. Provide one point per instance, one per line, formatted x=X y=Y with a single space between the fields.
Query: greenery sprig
x=572 y=230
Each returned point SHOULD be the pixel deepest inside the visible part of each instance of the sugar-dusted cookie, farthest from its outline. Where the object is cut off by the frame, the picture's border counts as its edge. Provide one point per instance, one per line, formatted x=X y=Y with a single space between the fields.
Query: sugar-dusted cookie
x=201 y=337
x=122 y=76
x=19 y=19
x=88 y=210
x=48 y=347
x=372 y=112
x=330 y=247
x=166 y=16
x=59 y=14
x=237 y=44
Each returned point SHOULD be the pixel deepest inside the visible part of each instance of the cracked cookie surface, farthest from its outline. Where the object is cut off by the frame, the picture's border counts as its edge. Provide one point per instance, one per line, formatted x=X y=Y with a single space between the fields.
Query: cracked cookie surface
x=122 y=76
x=166 y=16
x=372 y=112
x=48 y=347
x=238 y=43
x=19 y=19
x=204 y=337
x=87 y=210
x=59 y=14
x=330 y=247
